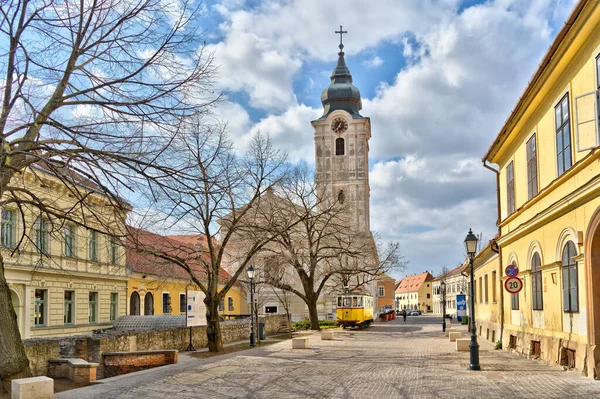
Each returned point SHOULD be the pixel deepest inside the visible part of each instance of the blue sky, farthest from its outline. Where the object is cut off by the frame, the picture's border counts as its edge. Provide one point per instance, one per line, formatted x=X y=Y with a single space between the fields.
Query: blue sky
x=437 y=78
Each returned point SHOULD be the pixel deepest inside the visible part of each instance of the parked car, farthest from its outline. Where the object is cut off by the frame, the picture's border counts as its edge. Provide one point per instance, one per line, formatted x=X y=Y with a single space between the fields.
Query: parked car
x=415 y=313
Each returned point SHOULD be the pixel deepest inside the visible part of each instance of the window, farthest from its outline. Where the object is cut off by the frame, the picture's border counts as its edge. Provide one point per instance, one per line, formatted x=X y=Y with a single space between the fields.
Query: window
x=69 y=240
x=114 y=306
x=380 y=291
x=532 y=181
x=485 y=288
x=569 y=278
x=93 y=246
x=114 y=250
x=428 y=296
x=166 y=303
x=494 y=287
x=230 y=303
x=514 y=301
x=480 y=290
x=9 y=228
x=41 y=297
x=272 y=309
x=69 y=301
x=341 y=197
x=339 y=146
x=598 y=71
x=563 y=135
x=182 y=303
x=93 y=307
x=536 y=282
x=222 y=305
x=510 y=188
x=41 y=235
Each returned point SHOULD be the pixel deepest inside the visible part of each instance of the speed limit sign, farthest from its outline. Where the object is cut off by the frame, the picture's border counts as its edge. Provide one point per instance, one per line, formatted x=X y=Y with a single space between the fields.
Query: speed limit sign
x=513 y=285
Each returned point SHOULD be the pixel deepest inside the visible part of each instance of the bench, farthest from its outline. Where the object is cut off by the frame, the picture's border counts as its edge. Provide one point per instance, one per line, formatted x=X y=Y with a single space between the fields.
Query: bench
x=34 y=387
x=462 y=345
x=284 y=328
x=118 y=363
x=327 y=335
x=448 y=331
x=77 y=370
x=454 y=336
x=300 y=343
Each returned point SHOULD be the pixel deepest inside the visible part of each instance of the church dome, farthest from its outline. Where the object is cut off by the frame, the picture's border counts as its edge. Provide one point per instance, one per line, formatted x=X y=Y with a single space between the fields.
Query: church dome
x=341 y=93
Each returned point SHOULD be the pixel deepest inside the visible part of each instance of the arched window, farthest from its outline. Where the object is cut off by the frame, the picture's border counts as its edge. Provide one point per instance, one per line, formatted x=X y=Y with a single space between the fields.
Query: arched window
x=341 y=197
x=134 y=304
x=569 y=278
x=149 y=304
x=339 y=146
x=536 y=282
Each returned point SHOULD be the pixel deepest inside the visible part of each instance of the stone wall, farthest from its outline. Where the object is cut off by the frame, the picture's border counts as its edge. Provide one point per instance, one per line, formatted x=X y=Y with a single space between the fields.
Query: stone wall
x=92 y=347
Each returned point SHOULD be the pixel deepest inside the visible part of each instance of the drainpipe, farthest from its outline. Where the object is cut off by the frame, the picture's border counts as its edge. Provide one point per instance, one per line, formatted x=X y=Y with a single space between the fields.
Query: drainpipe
x=496 y=248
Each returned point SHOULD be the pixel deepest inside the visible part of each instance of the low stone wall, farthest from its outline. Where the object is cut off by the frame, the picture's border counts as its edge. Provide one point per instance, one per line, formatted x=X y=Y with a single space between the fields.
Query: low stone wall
x=118 y=363
x=92 y=347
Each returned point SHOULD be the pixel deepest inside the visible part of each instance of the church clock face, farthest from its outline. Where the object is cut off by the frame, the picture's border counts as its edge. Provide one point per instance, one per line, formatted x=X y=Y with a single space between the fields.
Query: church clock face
x=339 y=125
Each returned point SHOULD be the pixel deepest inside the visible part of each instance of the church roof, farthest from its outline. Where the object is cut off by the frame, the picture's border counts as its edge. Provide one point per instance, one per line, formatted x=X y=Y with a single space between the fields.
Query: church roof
x=341 y=93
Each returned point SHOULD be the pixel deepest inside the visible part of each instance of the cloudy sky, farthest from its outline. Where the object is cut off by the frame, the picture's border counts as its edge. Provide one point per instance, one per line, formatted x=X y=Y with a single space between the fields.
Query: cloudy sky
x=438 y=79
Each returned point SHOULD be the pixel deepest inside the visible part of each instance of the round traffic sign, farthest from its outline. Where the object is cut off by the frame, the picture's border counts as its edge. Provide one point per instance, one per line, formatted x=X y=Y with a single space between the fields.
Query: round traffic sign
x=513 y=285
x=511 y=270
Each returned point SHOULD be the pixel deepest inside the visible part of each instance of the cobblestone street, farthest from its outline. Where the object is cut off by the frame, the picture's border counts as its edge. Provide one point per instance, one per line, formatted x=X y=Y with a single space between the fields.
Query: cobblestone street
x=388 y=360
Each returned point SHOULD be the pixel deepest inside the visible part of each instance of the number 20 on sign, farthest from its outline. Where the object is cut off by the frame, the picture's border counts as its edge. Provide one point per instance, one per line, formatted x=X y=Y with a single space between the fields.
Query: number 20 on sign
x=513 y=285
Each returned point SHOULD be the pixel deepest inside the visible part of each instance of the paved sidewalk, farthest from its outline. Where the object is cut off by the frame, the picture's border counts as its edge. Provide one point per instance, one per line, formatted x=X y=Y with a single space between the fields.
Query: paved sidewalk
x=388 y=360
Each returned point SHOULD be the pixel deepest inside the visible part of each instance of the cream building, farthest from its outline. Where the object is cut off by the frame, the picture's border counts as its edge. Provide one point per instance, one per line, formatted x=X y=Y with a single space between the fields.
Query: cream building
x=456 y=284
x=65 y=278
x=547 y=154
x=415 y=292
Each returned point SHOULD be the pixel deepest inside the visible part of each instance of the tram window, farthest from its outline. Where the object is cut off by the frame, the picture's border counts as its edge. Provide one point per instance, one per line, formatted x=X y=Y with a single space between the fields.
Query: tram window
x=347 y=301
x=339 y=301
x=360 y=301
x=354 y=302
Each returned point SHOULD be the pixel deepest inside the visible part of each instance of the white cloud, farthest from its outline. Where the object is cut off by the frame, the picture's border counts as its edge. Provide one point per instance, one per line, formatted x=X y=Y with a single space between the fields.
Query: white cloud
x=373 y=62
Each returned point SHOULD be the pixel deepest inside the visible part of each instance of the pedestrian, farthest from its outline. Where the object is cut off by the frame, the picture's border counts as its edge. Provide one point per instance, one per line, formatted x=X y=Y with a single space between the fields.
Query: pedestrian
x=404 y=314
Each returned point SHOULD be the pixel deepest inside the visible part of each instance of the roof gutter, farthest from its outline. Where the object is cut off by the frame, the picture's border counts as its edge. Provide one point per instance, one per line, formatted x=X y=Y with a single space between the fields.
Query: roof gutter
x=536 y=77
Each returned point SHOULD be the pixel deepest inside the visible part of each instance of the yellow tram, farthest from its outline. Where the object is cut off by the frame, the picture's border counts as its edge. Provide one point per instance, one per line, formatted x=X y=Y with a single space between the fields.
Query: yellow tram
x=355 y=310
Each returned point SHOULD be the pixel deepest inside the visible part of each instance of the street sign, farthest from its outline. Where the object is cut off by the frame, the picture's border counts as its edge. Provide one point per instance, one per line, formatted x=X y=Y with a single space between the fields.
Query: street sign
x=513 y=285
x=511 y=270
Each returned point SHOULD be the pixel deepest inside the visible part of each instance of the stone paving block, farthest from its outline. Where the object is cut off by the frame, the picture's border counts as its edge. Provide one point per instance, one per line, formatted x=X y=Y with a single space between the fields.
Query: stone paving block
x=327 y=335
x=34 y=387
x=449 y=330
x=300 y=343
x=462 y=344
x=454 y=336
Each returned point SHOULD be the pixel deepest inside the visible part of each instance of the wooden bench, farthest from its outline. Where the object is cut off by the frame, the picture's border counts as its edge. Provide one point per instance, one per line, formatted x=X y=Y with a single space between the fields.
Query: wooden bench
x=462 y=345
x=300 y=343
x=34 y=387
x=327 y=335
x=118 y=363
x=284 y=328
x=77 y=370
x=455 y=335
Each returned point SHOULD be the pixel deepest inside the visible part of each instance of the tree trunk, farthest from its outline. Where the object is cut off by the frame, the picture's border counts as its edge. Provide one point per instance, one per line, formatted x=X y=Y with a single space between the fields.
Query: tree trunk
x=313 y=314
x=13 y=360
x=213 y=327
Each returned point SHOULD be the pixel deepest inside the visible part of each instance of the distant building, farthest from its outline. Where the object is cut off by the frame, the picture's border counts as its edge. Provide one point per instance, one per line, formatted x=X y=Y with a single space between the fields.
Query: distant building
x=385 y=294
x=414 y=292
x=456 y=284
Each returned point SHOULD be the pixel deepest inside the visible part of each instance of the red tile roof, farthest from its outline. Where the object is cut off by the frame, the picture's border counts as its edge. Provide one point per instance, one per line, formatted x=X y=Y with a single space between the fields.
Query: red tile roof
x=143 y=249
x=413 y=283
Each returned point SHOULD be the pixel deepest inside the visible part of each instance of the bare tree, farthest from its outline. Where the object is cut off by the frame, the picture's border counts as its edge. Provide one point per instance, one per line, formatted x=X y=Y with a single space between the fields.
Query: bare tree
x=92 y=93
x=218 y=203
x=322 y=245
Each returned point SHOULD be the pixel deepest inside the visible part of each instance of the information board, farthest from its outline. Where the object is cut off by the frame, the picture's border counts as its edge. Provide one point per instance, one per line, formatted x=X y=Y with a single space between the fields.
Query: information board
x=461 y=305
x=196 y=309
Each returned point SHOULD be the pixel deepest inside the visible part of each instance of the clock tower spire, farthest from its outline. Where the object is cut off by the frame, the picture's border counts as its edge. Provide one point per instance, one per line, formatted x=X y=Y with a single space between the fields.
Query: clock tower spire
x=342 y=144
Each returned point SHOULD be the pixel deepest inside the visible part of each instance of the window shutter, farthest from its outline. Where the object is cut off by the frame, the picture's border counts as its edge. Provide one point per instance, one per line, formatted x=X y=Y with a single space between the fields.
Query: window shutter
x=586 y=121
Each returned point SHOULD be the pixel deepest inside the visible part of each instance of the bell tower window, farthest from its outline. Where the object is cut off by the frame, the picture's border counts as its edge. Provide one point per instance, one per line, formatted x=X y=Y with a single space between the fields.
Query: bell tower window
x=339 y=146
x=341 y=197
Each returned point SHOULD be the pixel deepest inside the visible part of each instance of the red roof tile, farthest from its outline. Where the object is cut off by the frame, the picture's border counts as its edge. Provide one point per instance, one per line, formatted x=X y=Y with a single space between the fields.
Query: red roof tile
x=413 y=283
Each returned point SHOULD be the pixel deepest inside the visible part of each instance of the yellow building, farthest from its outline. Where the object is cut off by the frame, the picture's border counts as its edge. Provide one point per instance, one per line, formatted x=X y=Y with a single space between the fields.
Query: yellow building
x=488 y=292
x=385 y=293
x=66 y=278
x=414 y=292
x=548 y=158
x=157 y=287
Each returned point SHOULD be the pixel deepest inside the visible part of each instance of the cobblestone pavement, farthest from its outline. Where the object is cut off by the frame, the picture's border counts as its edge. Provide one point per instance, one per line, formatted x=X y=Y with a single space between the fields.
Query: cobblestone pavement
x=388 y=360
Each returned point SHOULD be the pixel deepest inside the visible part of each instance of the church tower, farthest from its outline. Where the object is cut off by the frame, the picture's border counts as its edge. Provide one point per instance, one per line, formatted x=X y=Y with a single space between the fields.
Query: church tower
x=342 y=144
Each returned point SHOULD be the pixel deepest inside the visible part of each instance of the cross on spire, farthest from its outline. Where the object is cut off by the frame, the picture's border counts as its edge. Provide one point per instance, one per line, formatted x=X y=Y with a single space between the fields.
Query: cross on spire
x=341 y=32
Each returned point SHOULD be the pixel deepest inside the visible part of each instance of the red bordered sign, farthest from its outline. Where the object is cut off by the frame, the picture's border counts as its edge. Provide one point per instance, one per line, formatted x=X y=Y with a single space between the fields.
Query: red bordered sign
x=511 y=270
x=513 y=285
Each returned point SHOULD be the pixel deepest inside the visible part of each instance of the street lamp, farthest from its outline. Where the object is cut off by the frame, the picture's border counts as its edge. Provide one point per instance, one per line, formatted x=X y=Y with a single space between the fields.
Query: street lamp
x=471 y=247
x=251 y=278
x=443 y=292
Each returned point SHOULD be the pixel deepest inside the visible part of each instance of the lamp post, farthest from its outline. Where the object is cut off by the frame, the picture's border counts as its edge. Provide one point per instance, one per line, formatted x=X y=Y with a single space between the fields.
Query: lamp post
x=471 y=247
x=251 y=278
x=443 y=292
